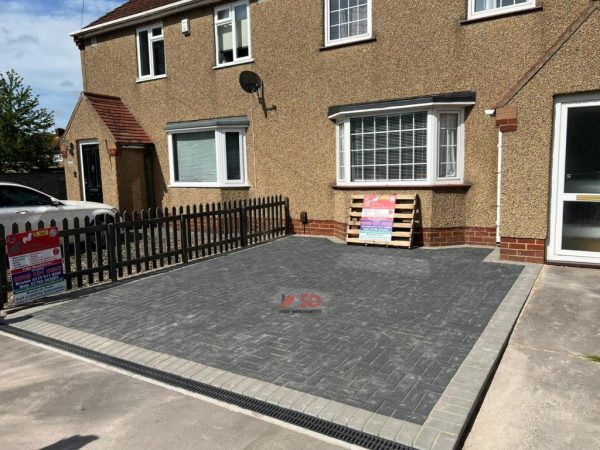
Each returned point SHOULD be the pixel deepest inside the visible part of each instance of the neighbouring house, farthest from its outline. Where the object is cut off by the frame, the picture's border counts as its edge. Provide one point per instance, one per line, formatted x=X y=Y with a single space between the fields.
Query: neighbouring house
x=487 y=109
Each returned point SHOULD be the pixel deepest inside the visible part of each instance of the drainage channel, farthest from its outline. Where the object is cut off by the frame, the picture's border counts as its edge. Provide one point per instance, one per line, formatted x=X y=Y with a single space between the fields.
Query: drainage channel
x=299 y=419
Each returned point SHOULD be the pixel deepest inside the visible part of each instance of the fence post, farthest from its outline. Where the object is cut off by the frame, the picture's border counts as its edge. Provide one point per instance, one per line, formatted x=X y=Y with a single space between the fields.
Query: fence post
x=111 y=244
x=184 y=238
x=243 y=225
x=3 y=269
x=288 y=219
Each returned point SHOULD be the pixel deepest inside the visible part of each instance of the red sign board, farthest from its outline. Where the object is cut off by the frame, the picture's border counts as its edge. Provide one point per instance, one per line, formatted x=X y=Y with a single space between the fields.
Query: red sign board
x=36 y=264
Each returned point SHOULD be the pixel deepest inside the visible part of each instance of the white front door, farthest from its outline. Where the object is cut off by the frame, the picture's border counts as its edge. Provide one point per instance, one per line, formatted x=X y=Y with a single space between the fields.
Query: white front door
x=575 y=209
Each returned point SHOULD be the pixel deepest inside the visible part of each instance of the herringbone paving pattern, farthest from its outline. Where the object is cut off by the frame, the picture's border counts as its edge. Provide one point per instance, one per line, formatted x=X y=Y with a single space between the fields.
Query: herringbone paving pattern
x=393 y=328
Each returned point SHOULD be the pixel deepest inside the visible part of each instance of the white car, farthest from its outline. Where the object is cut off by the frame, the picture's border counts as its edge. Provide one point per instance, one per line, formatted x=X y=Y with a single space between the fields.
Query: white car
x=20 y=204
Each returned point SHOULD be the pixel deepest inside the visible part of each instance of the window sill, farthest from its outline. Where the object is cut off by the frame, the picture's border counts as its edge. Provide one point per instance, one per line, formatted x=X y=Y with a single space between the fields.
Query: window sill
x=502 y=14
x=220 y=187
x=390 y=187
x=143 y=80
x=235 y=63
x=333 y=46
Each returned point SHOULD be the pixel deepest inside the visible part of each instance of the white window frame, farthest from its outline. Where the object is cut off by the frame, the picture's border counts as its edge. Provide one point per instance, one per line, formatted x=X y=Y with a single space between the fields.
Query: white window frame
x=221 y=161
x=341 y=41
x=231 y=19
x=151 y=39
x=499 y=11
x=432 y=149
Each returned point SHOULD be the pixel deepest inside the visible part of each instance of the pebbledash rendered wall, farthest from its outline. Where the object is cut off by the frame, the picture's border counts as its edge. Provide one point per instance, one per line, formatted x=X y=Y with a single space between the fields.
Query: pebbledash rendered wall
x=420 y=49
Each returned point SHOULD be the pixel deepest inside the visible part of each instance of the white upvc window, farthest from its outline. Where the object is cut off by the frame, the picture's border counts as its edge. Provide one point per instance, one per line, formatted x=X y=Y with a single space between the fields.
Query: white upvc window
x=486 y=8
x=418 y=147
x=232 y=34
x=347 y=21
x=150 y=42
x=207 y=157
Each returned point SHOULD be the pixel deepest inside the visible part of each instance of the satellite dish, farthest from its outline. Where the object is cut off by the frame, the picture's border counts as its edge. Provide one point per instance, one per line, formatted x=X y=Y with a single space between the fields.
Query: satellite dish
x=250 y=82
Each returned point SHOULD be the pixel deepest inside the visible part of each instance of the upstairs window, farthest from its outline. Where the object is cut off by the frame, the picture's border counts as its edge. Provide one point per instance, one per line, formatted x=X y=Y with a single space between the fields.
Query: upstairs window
x=484 y=8
x=232 y=33
x=151 y=52
x=347 y=21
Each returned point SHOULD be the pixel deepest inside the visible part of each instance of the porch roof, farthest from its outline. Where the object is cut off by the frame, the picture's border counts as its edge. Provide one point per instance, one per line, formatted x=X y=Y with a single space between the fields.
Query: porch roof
x=118 y=119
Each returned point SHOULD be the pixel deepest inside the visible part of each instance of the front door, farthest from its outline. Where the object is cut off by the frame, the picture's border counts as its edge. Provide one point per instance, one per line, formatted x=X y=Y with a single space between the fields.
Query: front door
x=575 y=217
x=90 y=173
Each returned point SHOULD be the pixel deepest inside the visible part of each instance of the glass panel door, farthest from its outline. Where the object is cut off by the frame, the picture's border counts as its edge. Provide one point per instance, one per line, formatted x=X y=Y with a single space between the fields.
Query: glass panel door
x=576 y=200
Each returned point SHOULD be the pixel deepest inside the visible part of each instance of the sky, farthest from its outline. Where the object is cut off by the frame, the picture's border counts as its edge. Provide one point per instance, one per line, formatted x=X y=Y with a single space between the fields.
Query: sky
x=35 y=42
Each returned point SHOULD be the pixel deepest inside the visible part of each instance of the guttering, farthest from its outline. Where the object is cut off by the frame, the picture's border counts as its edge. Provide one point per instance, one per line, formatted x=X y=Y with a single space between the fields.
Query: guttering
x=143 y=16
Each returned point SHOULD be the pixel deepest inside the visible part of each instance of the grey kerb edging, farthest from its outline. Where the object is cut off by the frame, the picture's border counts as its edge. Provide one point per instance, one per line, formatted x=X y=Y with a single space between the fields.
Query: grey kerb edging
x=442 y=428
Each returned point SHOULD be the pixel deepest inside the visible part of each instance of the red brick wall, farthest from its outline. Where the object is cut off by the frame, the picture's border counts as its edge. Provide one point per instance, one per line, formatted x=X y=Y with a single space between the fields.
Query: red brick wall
x=431 y=237
x=319 y=228
x=439 y=237
x=523 y=250
x=511 y=249
x=480 y=236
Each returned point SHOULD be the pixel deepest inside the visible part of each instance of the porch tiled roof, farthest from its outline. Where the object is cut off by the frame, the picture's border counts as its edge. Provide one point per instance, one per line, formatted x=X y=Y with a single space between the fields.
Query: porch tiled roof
x=118 y=119
x=129 y=8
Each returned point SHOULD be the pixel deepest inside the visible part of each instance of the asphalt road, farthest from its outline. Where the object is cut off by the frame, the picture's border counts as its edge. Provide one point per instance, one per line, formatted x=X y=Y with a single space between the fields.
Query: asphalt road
x=50 y=400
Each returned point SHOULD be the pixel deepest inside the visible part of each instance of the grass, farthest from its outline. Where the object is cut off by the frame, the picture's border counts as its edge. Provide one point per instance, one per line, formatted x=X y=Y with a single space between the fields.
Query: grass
x=593 y=358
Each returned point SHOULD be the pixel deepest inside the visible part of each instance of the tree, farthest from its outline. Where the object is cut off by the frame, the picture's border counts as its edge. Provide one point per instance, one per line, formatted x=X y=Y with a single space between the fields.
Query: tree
x=25 y=142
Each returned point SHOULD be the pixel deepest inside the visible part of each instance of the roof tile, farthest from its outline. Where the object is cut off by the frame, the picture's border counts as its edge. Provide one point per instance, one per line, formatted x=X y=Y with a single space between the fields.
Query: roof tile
x=129 y=8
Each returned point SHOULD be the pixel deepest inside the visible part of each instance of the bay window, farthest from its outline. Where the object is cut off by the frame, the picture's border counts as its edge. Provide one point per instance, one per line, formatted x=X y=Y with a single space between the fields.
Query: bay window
x=232 y=33
x=207 y=157
x=485 y=8
x=402 y=148
x=151 y=52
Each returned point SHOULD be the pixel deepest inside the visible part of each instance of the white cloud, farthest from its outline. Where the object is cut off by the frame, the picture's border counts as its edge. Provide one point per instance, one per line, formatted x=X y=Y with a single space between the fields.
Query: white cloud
x=35 y=42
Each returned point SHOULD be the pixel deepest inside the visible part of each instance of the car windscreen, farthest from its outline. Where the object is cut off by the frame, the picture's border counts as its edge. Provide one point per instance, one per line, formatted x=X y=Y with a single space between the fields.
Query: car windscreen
x=14 y=196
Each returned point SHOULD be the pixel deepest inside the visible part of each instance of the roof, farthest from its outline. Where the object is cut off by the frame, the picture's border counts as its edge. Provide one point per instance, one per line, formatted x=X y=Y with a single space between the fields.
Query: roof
x=462 y=98
x=130 y=8
x=118 y=119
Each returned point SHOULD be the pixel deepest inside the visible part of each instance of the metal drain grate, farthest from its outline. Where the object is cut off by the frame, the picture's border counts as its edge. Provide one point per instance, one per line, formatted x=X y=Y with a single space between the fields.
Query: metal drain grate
x=325 y=427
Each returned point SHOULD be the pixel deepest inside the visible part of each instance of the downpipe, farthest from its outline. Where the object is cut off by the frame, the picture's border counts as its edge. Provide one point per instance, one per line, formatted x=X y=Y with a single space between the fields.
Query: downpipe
x=499 y=187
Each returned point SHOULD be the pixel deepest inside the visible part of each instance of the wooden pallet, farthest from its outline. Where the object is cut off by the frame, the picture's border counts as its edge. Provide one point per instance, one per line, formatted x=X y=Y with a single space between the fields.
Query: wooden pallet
x=404 y=222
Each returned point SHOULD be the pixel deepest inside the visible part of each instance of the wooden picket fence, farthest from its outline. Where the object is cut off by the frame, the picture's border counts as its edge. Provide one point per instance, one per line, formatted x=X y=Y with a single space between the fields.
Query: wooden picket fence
x=135 y=242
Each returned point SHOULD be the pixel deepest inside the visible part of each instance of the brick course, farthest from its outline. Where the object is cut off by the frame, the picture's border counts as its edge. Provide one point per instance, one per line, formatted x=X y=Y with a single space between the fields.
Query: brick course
x=430 y=237
x=527 y=250
x=511 y=249
x=318 y=228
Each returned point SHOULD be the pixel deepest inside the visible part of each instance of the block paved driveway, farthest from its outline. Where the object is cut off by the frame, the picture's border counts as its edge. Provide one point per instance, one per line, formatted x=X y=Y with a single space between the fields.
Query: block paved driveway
x=394 y=325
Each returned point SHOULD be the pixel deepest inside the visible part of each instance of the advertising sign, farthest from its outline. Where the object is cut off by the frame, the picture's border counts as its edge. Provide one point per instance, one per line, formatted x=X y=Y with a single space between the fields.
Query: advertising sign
x=35 y=264
x=377 y=221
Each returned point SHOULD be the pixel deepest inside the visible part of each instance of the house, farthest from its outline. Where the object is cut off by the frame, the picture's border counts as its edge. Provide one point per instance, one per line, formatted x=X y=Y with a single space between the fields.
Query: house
x=487 y=109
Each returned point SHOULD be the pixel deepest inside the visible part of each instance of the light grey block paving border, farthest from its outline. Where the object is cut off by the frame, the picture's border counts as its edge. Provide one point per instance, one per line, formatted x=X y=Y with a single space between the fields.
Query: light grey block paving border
x=442 y=428
x=451 y=414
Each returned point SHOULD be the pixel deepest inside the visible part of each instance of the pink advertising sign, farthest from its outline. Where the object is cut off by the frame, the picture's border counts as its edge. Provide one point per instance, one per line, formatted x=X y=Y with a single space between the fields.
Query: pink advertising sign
x=377 y=221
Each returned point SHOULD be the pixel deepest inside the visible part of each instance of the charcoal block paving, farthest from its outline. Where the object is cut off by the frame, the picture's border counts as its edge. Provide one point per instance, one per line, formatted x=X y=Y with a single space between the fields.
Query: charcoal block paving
x=389 y=331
